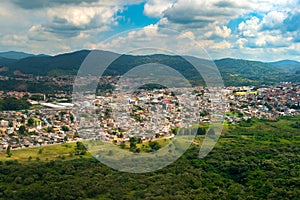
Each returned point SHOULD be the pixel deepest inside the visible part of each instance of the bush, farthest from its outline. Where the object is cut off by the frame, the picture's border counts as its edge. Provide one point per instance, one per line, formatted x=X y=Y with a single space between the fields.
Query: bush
x=154 y=145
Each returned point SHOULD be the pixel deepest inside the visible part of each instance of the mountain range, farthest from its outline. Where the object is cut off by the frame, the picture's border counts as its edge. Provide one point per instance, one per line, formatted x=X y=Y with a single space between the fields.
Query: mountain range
x=233 y=71
x=17 y=55
x=288 y=65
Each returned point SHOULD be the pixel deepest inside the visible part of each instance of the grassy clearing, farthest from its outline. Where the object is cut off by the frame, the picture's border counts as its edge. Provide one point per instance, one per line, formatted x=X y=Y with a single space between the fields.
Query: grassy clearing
x=44 y=153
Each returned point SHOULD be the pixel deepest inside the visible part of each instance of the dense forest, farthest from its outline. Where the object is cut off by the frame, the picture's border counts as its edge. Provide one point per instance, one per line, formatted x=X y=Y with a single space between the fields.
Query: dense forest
x=11 y=103
x=254 y=160
x=33 y=86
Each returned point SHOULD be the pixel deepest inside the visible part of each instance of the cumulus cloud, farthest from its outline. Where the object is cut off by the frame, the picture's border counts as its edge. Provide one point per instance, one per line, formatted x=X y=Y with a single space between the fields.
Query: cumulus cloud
x=273 y=20
x=270 y=41
x=222 y=45
x=250 y=27
x=70 y=21
x=276 y=29
x=155 y=8
x=198 y=13
x=153 y=40
x=13 y=40
x=38 y=4
x=219 y=31
x=260 y=27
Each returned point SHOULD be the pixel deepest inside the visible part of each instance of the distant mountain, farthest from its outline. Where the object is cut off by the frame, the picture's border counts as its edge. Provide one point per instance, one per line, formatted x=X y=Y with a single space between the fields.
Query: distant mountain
x=245 y=72
x=43 y=65
x=15 y=55
x=291 y=66
x=233 y=71
x=5 y=61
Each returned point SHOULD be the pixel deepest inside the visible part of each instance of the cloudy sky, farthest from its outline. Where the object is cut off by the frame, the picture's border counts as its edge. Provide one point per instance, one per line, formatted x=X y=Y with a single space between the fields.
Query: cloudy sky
x=264 y=30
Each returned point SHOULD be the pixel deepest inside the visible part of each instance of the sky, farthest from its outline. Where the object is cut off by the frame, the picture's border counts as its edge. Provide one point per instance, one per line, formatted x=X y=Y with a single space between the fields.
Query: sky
x=265 y=30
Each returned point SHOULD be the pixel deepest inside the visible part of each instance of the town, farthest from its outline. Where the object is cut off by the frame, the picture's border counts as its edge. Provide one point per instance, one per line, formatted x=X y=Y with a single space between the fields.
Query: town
x=146 y=114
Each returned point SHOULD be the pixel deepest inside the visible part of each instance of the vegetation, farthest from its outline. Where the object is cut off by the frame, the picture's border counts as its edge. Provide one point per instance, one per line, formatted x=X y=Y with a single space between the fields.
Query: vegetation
x=8 y=151
x=11 y=103
x=34 y=86
x=233 y=71
x=45 y=153
x=260 y=161
x=80 y=149
x=154 y=145
x=65 y=128
x=30 y=122
x=22 y=130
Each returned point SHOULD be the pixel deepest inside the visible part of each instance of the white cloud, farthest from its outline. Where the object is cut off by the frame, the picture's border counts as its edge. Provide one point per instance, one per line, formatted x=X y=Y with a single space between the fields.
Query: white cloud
x=56 y=26
x=222 y=45
x=250 y=27
x=155 y=8
x=219 y=31
x=241 y=42
x=188 y=34
x=68 y=26
x=272 y=40
x=14 y=40
x=273 y=19
x=82 y=16
x=70 y=21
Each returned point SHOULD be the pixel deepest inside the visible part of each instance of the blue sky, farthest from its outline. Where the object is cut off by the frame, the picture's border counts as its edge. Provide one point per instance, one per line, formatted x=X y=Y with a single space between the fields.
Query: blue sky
x=258 y=30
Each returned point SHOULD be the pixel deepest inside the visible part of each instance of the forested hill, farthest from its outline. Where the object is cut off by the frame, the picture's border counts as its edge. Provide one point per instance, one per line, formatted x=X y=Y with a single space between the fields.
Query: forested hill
x=233 y=71
x=245 y=72
x=15 y=55
x=288 y=66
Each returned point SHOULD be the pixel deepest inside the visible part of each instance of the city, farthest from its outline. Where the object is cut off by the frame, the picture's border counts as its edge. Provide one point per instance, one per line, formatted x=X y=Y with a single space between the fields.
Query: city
x=146 y=114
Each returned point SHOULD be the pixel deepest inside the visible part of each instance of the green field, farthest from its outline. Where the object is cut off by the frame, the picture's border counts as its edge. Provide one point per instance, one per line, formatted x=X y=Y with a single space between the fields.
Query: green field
x=44 y=153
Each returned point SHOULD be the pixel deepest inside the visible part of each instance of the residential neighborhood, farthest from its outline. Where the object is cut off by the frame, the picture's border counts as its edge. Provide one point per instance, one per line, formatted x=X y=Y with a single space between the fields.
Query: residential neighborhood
x=146 y=114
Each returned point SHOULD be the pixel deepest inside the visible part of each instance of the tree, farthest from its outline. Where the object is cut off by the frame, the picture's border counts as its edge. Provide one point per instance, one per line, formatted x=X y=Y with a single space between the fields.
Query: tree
x=65 y=138
x=132 y=141
x=139 y=140
x=71 y=118
x=154 y=145
x=49 y=129
x=201 y=131
x=132 y=145
x=137 y=150
x=12 y=103
x=65 y=128
x=123 y=145
x=76 y=134
x=174 y=130
x=8 y=151
x=40 y=151
x=30 y=122
x=204 y=113
x=11 y=124
x=22 y=130
x=80 y=148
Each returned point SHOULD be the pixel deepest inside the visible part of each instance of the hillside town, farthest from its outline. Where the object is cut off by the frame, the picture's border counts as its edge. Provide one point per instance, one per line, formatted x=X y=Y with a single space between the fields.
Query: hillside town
x=146 y=114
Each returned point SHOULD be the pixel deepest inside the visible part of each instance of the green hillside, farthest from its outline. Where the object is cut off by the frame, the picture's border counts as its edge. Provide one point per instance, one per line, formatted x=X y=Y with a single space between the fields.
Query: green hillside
x=259 y=161
x=243 y=72
x=233 y=71
x=287 y=65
